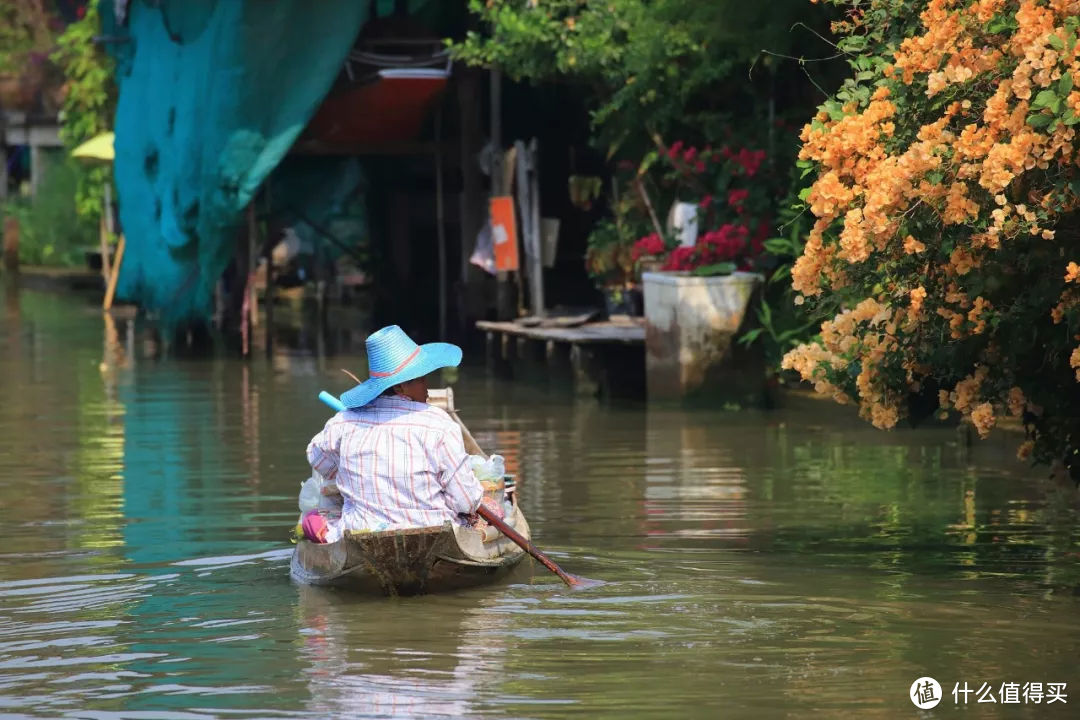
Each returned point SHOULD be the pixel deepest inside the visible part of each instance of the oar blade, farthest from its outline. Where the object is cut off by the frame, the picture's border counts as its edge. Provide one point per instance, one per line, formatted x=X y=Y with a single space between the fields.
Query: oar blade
x=582 y=583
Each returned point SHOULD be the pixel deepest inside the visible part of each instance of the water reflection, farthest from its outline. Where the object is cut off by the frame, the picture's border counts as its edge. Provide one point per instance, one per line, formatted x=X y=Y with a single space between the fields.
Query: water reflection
x=414 y=657
x=789 y=563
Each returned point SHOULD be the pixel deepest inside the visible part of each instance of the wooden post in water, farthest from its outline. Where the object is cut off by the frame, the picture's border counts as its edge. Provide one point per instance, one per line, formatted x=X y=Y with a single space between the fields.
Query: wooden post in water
x=268 y=294
x=110 y=292
x=472 y=198
x=11 y=244
x=440 y=223
x=504 y=299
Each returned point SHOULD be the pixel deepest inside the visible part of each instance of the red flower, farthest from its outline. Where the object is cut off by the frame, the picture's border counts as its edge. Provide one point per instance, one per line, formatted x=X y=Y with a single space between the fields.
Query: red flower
x=736 y=198
x=689 y=155
x=750 y=160
x=675 y=149
x=648 y=245
x=722 y=245
x=705 y=202
x=681 y=258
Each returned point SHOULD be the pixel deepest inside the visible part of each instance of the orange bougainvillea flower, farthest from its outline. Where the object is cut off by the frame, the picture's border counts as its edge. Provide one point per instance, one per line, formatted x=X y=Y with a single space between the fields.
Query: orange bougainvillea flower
x=931 y=217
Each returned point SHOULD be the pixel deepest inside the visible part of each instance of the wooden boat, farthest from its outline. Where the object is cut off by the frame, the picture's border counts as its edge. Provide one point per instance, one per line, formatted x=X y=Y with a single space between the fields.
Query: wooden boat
x=410 y=562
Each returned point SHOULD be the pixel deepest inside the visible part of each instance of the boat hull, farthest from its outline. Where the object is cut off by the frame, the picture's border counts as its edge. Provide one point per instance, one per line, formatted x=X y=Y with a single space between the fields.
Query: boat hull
x=408 y=562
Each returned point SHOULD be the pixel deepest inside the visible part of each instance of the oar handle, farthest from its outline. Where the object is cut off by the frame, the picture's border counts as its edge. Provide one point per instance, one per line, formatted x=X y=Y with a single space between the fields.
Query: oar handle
x=525 y=545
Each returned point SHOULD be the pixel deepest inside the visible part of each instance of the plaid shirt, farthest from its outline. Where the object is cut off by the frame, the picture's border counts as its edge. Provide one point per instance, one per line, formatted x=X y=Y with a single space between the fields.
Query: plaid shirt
x=398 y=464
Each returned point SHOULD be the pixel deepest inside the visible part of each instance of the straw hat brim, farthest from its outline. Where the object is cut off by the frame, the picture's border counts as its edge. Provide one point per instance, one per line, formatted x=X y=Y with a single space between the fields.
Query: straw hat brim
x=431 y=357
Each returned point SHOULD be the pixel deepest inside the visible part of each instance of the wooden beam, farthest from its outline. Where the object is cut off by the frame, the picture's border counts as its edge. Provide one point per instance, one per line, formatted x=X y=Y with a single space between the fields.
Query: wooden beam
x=319 y=147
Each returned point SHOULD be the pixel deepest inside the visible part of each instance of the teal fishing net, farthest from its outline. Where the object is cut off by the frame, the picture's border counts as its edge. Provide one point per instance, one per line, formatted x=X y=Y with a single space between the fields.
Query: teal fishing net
x=212 y=94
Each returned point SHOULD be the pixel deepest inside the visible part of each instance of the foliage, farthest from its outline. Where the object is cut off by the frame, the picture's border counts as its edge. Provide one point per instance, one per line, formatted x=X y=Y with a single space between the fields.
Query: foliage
x=668 y=66
x=50 y=230
x=608 y=257
x=945 y=191
x=25 y=34
x=89 y=103
x=782 y=324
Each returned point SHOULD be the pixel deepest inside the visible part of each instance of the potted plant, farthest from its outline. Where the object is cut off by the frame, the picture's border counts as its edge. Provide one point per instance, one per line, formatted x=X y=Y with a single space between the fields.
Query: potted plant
x=610 y=264
x=697 y=295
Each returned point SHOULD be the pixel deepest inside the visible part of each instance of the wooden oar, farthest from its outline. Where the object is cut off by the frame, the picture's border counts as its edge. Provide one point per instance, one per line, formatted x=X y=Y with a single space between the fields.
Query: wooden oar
x=495 y=521
x=572 y=580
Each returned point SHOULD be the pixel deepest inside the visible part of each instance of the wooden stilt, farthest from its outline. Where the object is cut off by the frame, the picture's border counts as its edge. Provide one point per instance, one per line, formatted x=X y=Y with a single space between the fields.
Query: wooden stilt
x=106 y=265
x=440 y=221
x=111 y=291
x=11 y=244
x=268 y=298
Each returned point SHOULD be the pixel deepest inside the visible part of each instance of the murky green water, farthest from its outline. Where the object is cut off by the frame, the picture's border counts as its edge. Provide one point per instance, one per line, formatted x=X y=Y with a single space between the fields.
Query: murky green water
x=787 y=564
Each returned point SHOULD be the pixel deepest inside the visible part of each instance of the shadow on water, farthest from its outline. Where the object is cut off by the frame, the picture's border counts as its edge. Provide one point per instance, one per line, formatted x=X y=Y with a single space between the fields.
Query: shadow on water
x=784 y=563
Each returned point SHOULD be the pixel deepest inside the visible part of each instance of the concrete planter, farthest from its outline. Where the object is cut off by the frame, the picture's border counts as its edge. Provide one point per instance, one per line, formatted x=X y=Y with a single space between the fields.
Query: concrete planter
x=690 y=323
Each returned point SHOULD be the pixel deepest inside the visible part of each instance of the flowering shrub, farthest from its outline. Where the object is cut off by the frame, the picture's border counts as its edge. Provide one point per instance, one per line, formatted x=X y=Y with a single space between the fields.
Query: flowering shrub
x=739 y=221
x=945 y=190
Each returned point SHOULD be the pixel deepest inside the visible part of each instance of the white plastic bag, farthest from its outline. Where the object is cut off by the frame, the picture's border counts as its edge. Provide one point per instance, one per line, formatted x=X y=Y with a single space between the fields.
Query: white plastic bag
x=490 y=470
x=313 y=495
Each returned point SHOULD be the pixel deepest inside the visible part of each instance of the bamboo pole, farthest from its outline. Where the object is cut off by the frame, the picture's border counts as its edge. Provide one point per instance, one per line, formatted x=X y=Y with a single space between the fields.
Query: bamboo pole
x=111 y=291
x=106 y=265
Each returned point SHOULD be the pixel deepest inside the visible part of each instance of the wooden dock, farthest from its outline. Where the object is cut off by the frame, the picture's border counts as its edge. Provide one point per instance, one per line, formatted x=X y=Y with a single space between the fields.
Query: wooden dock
x=630 y=331
x=603 y=358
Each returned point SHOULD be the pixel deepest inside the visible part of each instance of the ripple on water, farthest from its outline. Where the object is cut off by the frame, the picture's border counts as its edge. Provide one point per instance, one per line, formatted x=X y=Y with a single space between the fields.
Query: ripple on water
x=755 y=564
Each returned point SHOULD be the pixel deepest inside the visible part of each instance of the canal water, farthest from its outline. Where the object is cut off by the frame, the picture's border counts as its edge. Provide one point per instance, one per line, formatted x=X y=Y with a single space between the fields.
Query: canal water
x=794 y=563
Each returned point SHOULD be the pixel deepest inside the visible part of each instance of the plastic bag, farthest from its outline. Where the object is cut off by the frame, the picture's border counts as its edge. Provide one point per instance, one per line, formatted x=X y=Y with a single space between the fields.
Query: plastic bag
x=483 y=256
x=318 y=494
x=490 y=470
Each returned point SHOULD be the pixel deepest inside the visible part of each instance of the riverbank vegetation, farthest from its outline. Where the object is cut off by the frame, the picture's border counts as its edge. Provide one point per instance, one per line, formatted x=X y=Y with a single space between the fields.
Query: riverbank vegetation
x=944 y=246
x=51 y=63
x=930 y=201
x=692 y=102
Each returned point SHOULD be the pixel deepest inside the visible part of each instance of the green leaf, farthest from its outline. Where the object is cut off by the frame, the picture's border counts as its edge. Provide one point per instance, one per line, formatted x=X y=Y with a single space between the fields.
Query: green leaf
x=1038 y=120
x=778 y=246
x=647 y=162
x=804 y=194
x=724 y=268
x=750 y=336
x=1056 y=42
x=1065 y=84
x=765 y=315
x=1044 y=99
x=1001 y=23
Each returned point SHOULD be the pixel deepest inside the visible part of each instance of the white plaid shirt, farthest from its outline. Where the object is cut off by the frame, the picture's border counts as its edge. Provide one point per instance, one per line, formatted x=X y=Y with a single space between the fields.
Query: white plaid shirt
x=398 y=464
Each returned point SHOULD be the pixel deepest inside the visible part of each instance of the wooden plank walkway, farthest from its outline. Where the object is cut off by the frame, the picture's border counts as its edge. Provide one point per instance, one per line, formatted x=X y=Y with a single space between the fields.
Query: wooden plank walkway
x=628 y=331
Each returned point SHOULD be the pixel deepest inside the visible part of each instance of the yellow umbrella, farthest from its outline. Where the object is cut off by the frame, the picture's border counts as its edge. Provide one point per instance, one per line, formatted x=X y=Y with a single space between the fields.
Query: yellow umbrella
x=99 y=147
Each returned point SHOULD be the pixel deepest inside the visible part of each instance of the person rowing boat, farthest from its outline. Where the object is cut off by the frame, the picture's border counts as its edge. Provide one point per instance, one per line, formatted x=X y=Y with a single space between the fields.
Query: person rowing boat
x=397 y=461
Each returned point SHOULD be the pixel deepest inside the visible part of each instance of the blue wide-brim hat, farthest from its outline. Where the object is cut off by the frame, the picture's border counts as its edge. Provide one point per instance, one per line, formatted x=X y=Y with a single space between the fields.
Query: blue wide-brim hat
x=394 y=358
